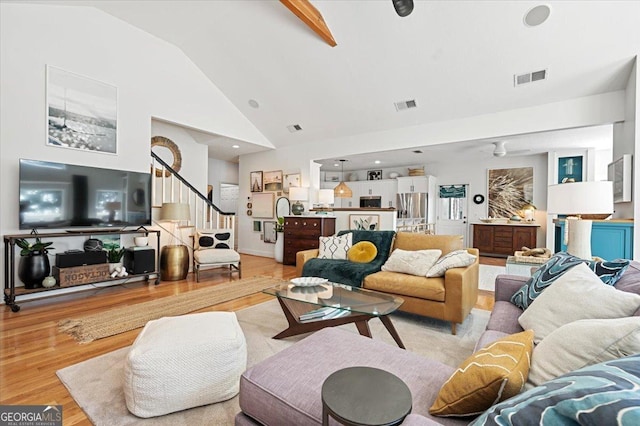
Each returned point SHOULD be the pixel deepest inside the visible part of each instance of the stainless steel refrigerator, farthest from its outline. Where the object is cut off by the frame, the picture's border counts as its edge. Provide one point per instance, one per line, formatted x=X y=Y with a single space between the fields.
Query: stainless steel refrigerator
x=412 y=205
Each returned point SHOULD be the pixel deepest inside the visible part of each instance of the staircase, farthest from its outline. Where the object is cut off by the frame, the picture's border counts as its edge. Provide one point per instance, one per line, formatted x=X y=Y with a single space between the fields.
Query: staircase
x=169 y=187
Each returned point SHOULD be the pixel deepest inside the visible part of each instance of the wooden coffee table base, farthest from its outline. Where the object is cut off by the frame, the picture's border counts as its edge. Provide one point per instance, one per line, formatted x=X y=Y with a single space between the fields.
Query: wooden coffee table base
x=293 y=309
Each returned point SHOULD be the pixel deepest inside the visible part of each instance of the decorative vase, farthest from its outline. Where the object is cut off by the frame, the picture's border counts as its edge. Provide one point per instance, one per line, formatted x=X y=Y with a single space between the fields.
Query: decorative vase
x=49 y=282
x=279 y=248
x=33 y=269
x=114 y=266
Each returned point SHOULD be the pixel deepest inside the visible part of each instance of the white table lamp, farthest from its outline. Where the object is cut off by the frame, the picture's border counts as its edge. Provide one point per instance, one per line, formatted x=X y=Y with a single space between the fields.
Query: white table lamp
x=578 y=199
x=326 y=197
x=297 y=194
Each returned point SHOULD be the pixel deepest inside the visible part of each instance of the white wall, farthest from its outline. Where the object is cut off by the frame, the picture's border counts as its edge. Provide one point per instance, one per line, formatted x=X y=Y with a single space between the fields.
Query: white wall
x=589 y=111
x=154 y=79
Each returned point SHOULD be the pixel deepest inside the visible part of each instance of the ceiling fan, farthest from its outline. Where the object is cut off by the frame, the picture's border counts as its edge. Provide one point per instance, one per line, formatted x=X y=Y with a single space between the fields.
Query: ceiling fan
x=500 y=150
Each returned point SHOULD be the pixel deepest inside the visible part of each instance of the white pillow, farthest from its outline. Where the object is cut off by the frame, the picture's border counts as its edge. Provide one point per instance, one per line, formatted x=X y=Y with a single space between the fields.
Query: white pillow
x=414 y=262
x=577 y=294
x=583 y=343
x=335 y=247
x=454 y=259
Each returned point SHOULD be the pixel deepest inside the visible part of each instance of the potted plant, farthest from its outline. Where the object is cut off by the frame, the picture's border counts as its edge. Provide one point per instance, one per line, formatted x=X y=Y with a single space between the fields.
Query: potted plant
x=114 y=257
x=279 y=248
x=34 y=263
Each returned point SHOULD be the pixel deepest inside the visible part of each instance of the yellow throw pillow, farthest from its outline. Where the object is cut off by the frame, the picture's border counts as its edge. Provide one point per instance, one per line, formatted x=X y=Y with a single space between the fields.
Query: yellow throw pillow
x=494 y=373
x=362 y=252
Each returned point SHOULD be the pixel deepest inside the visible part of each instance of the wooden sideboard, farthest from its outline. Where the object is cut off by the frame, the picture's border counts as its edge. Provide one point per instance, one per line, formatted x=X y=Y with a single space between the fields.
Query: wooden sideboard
x=502 y=240
x=303 y=232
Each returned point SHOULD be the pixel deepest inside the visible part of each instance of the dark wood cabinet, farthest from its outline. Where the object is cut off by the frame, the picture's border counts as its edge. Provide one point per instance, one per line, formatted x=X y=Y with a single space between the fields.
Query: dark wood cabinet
x=503 y=240
x=303 y=233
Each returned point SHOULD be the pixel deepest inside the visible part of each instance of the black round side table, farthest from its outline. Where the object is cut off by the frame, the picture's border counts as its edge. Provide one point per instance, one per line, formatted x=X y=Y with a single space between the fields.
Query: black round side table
x=357 y=396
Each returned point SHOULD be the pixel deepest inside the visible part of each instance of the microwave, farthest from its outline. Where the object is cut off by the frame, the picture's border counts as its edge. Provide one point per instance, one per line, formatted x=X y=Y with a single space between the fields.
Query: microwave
x=371 y=201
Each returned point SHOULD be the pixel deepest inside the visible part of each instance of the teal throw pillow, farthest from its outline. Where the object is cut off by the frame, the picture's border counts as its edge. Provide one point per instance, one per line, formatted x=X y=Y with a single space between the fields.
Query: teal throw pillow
x=554 y=268
x=601 y=394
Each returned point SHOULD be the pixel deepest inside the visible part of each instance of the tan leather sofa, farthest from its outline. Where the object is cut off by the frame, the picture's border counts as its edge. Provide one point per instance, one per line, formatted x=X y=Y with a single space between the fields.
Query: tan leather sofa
x=449 y=298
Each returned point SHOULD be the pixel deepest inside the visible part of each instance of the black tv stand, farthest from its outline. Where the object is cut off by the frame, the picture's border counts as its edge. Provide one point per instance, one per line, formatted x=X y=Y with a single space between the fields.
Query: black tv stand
x=10 y=290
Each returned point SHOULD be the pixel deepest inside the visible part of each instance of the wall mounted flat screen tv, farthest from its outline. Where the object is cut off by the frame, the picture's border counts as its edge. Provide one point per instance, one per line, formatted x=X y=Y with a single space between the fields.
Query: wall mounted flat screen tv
x=57 y=195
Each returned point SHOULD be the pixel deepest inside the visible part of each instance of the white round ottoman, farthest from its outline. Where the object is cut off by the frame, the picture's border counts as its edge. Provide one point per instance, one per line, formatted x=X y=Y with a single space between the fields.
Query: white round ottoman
x=183 y=362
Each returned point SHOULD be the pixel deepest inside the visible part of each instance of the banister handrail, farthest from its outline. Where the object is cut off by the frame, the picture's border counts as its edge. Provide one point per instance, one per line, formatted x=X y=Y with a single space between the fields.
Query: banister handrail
x=188 y=185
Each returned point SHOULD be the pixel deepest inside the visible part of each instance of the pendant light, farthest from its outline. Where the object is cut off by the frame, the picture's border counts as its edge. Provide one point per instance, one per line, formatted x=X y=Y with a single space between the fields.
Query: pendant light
x=342 y=190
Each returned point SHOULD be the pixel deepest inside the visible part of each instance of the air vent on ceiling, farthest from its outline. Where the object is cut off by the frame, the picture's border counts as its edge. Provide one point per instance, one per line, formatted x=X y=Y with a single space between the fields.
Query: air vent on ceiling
x=402 y=105
x=417 y=151
x=530 y=77
x=294 y=128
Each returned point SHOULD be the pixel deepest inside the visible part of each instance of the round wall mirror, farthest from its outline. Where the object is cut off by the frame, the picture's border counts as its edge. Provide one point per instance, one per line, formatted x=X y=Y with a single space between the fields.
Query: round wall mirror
x=169 y=152
x=283 y=207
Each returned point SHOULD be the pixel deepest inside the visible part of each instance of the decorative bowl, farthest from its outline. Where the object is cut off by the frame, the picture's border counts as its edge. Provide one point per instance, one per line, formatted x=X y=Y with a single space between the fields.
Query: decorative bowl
x=141 y=241
x=393 y=175
x=486 y=220
x=308 y=281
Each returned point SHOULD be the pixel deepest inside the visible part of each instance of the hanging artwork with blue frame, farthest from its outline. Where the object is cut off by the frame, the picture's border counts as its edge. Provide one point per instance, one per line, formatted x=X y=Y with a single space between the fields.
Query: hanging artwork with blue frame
x=570 y=169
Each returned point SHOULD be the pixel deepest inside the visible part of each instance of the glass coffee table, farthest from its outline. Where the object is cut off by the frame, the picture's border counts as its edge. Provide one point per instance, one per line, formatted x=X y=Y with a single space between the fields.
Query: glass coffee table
x=313 y=306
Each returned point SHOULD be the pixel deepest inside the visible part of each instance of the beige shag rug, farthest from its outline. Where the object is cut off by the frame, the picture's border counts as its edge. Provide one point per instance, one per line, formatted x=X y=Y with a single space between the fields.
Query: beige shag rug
x=96 y=384
x=125 y=318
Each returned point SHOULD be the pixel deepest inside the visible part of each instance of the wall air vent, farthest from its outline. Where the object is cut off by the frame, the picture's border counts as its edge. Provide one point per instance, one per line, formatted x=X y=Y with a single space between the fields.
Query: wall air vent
x=520 y=79
x=402 y=105
x=294 y=128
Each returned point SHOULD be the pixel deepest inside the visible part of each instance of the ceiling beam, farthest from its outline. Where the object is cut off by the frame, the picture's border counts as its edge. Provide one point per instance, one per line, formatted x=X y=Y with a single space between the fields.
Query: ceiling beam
x=308 y=14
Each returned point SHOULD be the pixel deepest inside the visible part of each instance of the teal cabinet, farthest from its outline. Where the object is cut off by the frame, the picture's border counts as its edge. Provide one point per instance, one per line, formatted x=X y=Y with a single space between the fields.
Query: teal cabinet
x=609 y=239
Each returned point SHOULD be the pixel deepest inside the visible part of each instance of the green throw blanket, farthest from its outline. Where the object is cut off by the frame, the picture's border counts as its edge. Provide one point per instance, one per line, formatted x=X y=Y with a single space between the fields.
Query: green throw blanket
x=351 y=273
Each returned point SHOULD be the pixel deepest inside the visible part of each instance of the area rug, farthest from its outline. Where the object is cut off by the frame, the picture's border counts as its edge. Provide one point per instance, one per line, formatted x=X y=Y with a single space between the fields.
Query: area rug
x=487 y=276
x=96 y=384
x=125 y=318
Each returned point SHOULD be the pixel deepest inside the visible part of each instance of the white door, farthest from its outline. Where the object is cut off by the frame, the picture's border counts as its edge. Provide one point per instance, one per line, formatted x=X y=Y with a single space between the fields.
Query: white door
x=452 y=211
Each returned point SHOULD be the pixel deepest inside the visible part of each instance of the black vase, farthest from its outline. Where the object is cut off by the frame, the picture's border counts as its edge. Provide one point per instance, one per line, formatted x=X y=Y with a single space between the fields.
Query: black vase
x=33 y=269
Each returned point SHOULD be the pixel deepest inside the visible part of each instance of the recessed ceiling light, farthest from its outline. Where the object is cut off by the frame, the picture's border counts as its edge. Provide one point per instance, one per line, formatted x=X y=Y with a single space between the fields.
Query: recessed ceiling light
x=377 y=162
x=336 y=164
x=235 y=146
x=253 y=103
x=537 y=15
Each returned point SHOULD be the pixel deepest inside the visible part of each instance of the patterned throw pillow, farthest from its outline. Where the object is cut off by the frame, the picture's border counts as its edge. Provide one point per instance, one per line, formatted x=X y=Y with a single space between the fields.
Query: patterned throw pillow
x=213 y=239
x=602 y=394
x=454 y=259
x=334 y=247
x=413 y=262
x=554 y=268
x=492 y=374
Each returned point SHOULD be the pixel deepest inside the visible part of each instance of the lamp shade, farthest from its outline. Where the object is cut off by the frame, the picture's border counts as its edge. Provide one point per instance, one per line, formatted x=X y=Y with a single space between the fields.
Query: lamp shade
x=175 y=211
x=342 y=191
x=580 y=198
x=298 y=193
x=325 y=196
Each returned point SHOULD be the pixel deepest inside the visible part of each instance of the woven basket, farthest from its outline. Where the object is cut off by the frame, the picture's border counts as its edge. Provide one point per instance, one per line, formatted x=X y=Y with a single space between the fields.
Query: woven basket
x=416 y=172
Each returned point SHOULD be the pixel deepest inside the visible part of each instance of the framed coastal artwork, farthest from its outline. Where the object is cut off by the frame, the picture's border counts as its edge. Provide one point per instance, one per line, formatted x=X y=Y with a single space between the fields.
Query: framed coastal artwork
x=291 y=179
x=255 y=181
x=273 y=180
x=369 y=222
x=269 y=235
x=82 y=113
x=262 y=205
x=509 y=190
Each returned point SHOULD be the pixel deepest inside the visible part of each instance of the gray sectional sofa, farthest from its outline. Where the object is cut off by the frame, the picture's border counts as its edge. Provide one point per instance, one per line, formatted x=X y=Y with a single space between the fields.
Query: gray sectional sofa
x=285 y=388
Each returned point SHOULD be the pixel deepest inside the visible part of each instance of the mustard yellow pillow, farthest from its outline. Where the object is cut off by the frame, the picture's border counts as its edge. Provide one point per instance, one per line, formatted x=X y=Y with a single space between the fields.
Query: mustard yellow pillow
x=494 y=373
x=362 y=252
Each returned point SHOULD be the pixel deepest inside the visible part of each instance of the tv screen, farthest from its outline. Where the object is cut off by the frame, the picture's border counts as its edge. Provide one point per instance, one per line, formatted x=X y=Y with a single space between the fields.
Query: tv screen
x=56 y=195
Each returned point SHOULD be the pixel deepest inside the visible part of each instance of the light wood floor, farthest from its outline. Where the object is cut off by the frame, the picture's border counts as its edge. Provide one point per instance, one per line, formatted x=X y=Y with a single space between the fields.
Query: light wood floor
x=32 y=349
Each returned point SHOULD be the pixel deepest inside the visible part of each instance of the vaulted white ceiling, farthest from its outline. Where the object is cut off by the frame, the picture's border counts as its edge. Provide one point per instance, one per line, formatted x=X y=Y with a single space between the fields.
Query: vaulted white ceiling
x=455 y=58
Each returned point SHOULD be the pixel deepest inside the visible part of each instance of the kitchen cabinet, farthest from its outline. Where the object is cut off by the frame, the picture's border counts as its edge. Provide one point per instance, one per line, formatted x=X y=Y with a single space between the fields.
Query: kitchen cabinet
x=502 y=240
x=303 y=233
x=413 y=184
